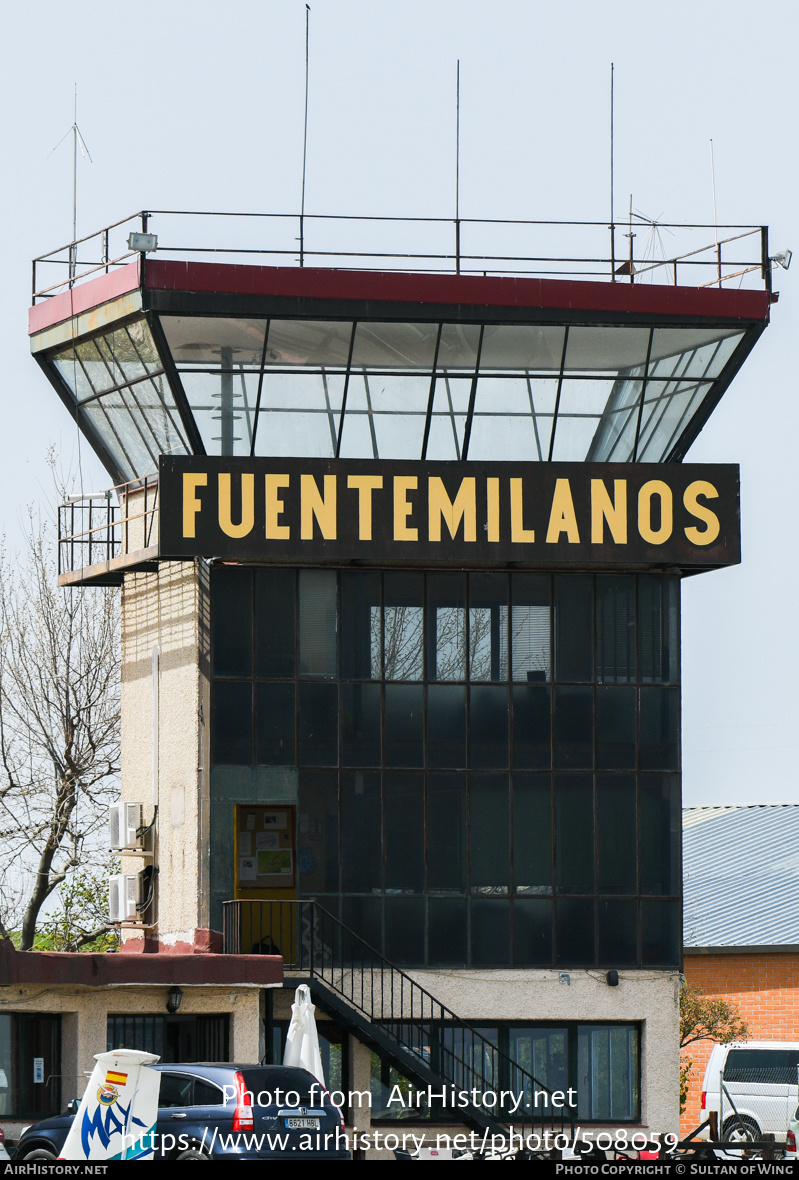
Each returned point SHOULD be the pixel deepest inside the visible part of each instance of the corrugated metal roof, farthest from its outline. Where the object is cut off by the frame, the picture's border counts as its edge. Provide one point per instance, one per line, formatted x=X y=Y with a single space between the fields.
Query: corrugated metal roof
x=741 y=875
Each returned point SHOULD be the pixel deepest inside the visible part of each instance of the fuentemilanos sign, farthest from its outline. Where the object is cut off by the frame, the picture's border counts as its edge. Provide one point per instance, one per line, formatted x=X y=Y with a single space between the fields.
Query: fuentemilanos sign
x=428 y=513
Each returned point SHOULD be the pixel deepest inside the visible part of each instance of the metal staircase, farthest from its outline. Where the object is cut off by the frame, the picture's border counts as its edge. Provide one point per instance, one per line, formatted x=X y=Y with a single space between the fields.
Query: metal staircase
x=387 y=1010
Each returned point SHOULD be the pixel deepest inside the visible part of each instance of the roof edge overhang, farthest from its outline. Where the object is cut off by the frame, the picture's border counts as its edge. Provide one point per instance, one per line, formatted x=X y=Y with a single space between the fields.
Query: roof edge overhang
x=169 y=285
x=81 y=969
x=779 y=948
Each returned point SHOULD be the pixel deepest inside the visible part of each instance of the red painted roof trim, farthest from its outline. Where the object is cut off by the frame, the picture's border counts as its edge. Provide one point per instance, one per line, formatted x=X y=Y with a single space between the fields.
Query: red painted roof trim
x=404 y=287
x=110 y=970
x=83 y=297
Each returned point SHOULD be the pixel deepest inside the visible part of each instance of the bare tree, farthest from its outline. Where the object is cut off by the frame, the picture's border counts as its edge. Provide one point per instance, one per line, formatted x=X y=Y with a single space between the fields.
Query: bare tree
x=59 y=732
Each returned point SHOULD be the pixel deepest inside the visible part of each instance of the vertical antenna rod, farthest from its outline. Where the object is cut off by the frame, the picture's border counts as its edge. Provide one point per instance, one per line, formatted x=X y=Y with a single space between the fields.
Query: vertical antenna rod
x=458 y=166
x=304 y=136
x=715 y=215
x=612 y=227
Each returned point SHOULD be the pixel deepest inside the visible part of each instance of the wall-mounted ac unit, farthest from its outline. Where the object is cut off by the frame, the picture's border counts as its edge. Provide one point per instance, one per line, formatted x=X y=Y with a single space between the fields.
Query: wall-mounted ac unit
x=124 y=821
x=124 y=895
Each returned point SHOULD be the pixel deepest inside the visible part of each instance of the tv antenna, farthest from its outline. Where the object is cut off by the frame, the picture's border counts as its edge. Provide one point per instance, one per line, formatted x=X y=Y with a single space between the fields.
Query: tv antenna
x=77 y=141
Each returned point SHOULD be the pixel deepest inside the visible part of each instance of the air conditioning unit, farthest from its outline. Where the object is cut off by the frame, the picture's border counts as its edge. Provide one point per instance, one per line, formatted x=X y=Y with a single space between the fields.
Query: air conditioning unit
x=124 y=821
x=124 y=895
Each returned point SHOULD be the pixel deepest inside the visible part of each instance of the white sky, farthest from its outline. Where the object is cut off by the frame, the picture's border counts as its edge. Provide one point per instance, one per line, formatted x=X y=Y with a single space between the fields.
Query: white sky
x=198 y=105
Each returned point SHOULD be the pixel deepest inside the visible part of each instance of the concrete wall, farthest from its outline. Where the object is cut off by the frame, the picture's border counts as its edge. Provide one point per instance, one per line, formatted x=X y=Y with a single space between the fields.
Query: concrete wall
x=163 y=751
x=84 y=1013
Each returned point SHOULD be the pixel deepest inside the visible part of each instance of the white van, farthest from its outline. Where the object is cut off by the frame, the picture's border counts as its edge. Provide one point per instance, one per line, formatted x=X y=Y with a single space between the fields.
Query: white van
x=754 y=1087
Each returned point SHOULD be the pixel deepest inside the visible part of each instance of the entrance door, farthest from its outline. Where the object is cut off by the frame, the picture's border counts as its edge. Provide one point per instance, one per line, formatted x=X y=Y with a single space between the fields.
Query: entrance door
x=266 y=872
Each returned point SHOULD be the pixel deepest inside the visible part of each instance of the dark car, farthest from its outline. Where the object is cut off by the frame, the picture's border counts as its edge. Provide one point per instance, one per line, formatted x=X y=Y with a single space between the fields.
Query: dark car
x=204 y=1112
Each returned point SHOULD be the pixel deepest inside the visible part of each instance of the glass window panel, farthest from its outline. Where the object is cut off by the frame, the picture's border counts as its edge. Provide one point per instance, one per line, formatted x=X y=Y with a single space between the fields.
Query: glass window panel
x=317 y=832
x=223 y=406
x=610 y=348
x=489 y=823
x=658 y=618
x=608 y=1069
x=618 y=933
x=530 y=628
x=532 y=727
x=318 y=725
x=659 y=729
x=574 y=932
x=275 y=628
x=116 y=429
x=313 y=344
x=574 y=729
x=212 y=340
x=532 y=942
x=403 y=626
x=532 y=834
x=231 y=724
x=448 y=420
x=615 y=436
x=299 y=414
x=573 y=628
x=125 y=353
x=231 y=621
x=574 y=834
x=94 y=366
x=488 y=727
x=542 y=1052
x=446 y=726
x=446 y=923
x=499 y=433
x=582 y=404
x=446 y=833
x=616 y=834
x=488 y=626
x=274 y=736
x=142 y=339
x=661 y=933
x=660 y=834
x=405 y=932
x=490 y=932
x=318 y=622
x=522 y=346
x=364 y=916
x=398 y=409
x=153 y=400
x=358 y=437
x=394 y=346
x=360 y=626
x=615 y=629
x=660 y=434
x=615 y=721
x=360 y=725
x=117 y=374
x=446 y=626
x=458 y=347
x=361 y=833
x=404 y=725
x=404 y=832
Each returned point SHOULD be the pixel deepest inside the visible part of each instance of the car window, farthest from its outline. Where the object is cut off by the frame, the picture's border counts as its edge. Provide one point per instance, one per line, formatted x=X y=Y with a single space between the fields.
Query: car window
x=175 y=1090
x=761 y=1066
x=206 y=1094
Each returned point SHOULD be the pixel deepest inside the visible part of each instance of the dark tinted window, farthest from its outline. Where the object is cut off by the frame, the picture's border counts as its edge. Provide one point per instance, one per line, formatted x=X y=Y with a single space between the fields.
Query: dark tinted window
x=762 y=1066
x=176 y=1089
x=206 y=1094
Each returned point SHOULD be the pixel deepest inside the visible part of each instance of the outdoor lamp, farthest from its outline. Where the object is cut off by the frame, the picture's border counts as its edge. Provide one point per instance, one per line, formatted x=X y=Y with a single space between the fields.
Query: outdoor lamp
x=173 y=1000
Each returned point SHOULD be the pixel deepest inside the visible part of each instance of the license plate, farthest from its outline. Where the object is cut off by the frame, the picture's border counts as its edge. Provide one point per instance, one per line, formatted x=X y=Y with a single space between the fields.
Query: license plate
x=298 y=1124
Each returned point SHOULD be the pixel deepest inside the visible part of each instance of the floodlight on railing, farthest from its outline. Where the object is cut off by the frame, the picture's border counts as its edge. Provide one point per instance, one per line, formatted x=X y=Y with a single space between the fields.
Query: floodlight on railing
x=144 y=243
x=783 y=258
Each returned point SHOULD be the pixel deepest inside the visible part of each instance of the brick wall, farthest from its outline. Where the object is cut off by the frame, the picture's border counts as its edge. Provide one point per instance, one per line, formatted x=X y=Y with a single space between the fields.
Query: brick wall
x=764 y=988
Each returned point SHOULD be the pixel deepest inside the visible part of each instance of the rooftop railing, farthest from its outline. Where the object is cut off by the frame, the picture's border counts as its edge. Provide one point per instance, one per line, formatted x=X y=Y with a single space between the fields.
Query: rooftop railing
x=639 y=250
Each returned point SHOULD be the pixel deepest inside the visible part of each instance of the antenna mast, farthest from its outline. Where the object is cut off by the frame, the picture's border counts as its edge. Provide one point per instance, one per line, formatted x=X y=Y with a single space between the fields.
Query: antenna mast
x=612 y=226
x=304 y=138
x=77 y=141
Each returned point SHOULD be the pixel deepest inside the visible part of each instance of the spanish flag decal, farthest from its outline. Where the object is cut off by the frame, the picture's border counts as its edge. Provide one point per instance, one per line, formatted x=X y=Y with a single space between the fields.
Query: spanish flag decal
x=113 y=1078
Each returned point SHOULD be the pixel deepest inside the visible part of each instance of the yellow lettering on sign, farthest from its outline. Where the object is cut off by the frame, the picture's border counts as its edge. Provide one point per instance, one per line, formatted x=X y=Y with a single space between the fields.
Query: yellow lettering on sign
x=403 y=508
x=707 y=535
x=655 y=487
x=191 y=505
x=312 y=504
x=492 y=523
x=365 y=484
x=613 y=511
x=462 y=508
x=247 y=505
x=562 y=518
x=275 y=508
x=518 y=533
